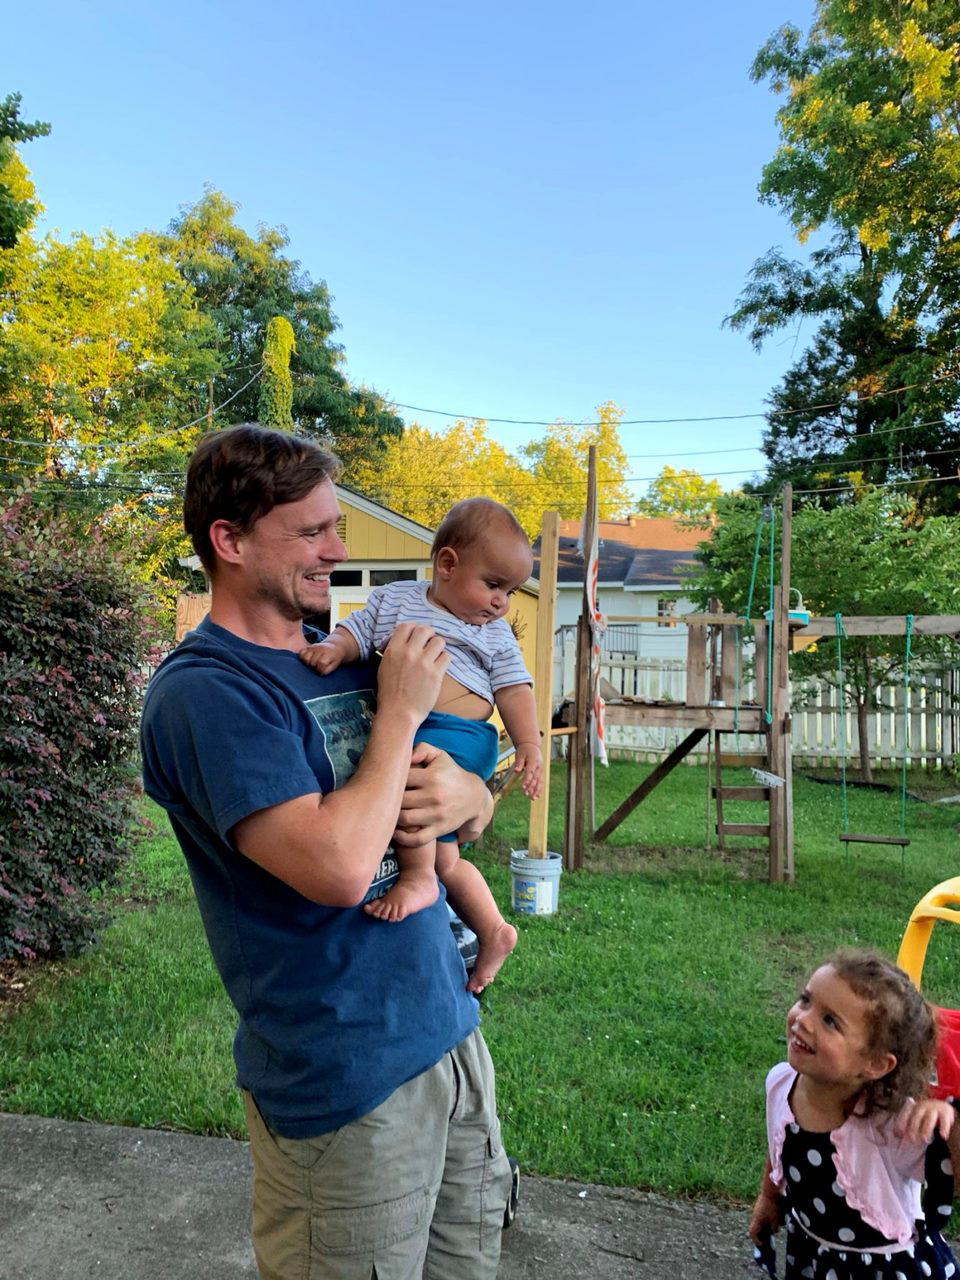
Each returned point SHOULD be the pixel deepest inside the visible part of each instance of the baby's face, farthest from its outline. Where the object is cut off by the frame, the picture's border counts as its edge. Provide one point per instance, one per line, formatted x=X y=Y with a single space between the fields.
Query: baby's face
x=479 y=585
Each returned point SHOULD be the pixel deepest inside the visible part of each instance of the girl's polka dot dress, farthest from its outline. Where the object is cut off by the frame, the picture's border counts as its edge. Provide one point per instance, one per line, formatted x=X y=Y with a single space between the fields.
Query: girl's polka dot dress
x=825 y=1239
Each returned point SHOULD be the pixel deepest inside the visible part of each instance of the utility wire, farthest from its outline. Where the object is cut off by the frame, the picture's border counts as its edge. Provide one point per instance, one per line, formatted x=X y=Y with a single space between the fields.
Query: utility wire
x=652 y=422
x=133 y=444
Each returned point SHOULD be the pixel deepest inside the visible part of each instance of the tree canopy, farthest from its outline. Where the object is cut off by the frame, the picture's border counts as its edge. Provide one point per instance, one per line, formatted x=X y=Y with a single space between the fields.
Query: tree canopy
x=681 y=495
x=17 y=206
x=869 y=163
x=424 y=473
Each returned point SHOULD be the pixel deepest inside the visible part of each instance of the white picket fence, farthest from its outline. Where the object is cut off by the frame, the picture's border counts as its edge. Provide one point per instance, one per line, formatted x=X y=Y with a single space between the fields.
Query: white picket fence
x=929 y=739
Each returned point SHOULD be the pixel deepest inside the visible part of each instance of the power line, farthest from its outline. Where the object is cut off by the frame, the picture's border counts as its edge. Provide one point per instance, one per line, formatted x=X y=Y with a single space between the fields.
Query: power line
x=134 y=444
x=653 y=422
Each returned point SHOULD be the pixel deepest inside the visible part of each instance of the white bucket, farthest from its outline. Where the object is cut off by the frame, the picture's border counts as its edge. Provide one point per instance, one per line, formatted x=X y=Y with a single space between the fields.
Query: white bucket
x=536 y=883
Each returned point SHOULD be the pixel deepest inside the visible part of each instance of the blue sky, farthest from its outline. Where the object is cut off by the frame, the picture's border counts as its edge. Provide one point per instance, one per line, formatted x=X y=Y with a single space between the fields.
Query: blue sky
x=522 y=210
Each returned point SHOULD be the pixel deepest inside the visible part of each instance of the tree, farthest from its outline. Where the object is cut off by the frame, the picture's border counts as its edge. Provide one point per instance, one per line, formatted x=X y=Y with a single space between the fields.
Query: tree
x=241 y=282
x=878 y=555
x=559 y=464
x=17 y=207
x=681 y=495
x=276 y=386
x=423 y=473
x=870 y=154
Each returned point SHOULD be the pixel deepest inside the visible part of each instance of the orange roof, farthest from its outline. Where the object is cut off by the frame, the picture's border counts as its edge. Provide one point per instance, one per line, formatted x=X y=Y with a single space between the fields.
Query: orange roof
x=653 y=534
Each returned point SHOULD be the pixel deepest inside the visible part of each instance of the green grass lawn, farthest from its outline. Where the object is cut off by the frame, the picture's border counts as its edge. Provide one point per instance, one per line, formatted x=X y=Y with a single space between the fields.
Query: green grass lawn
x=631 y=1031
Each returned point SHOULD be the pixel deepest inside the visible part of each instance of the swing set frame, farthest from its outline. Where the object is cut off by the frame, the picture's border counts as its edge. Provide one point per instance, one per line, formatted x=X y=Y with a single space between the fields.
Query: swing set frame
x=714 y=658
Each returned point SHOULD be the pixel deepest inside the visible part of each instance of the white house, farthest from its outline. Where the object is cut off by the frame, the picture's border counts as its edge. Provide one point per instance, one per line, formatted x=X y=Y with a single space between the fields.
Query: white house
x=644 y=564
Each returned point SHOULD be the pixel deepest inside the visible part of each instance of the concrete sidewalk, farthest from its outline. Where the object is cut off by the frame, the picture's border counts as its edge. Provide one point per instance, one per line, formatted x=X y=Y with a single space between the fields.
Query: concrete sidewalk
x=84 y=1200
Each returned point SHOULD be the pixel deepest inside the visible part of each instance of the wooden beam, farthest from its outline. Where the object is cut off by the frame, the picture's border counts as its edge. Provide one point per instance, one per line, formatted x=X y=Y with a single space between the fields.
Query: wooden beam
x=754 y=794
x=649 y=783
x=676 y=715
x=729 y=662
x=885 y=625
x=696 y=665
x=852 y=837
x=785 y=810
x=543 y=677
x=743 y=828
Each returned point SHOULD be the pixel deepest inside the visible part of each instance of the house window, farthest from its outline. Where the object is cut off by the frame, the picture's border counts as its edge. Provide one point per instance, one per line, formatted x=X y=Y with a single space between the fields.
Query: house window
x=380 y=577
x=346 y=578
x=666 y=612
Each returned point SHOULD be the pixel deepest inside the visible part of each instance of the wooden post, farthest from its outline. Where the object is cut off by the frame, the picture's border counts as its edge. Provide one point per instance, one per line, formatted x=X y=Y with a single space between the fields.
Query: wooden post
x=781 y=805
x=786 y=565
x=577 y=756
x=543 y=677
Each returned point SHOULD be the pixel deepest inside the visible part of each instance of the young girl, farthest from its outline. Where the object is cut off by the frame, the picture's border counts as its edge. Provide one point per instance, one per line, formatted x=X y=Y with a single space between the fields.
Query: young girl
x=846 y=1141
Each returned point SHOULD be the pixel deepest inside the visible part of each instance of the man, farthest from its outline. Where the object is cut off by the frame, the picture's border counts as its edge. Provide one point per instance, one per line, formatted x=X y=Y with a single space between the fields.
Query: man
x=368 y=1088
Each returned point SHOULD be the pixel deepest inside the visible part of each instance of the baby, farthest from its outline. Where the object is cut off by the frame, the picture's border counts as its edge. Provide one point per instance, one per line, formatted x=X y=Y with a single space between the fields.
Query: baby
x=481 y=555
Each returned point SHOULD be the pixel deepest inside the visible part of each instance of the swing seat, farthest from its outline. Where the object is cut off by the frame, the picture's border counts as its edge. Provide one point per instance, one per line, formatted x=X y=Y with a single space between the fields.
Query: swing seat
x=861 y=837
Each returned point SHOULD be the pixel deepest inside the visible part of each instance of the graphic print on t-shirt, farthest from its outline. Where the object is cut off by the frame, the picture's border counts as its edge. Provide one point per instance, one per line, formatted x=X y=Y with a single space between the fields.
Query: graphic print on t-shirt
x=345 y=720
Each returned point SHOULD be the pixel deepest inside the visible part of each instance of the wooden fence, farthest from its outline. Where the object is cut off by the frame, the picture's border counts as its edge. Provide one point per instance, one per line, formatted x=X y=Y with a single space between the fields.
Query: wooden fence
x=930 y=738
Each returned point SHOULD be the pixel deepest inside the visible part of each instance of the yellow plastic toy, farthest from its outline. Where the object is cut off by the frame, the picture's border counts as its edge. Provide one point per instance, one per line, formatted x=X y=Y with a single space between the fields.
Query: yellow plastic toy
x=932 y=907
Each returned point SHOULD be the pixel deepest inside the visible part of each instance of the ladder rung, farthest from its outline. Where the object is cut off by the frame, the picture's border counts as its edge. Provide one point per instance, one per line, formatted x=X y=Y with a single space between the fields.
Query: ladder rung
x=743 y=828
x=749 y=760
x=742 y=793
x=851 y=837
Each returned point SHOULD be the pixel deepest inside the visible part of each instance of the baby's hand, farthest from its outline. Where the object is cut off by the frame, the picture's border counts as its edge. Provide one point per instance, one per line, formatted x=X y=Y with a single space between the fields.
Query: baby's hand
x=530 y=764
x=920 y=1122
x=322 y=657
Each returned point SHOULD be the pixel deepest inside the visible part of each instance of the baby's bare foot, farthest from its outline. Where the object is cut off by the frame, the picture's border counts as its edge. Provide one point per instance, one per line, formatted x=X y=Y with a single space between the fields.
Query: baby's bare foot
x=411 y=893
x=494 y=949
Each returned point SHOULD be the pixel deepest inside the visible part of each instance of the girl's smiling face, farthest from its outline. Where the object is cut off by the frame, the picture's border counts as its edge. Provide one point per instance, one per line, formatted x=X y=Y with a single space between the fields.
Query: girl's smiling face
x=828 y=1035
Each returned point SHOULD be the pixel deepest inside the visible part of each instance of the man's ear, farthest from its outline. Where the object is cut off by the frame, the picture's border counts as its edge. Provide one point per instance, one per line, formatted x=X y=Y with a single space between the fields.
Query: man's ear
x=225 y=540
x=447 y=560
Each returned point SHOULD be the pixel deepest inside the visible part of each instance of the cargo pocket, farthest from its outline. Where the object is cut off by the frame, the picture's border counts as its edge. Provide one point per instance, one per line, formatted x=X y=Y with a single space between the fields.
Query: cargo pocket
x=384 y=1240
x=495 y=1188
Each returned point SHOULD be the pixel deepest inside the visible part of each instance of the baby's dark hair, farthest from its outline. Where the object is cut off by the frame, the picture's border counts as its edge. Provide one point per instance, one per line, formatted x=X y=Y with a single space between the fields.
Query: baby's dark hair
x=899 y=1021
x=468 y=521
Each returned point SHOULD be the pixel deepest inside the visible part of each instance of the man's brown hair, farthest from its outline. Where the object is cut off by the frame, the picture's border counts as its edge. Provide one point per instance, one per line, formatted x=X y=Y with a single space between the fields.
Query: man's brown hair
x=241 y=473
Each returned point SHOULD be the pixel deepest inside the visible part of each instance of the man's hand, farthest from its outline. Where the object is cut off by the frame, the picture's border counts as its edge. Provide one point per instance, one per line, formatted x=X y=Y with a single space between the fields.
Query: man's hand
x=414 y=664
x=440 y=797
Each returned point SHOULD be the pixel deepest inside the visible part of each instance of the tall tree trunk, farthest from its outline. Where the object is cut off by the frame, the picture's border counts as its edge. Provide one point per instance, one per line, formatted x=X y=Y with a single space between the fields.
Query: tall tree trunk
x=864 y=700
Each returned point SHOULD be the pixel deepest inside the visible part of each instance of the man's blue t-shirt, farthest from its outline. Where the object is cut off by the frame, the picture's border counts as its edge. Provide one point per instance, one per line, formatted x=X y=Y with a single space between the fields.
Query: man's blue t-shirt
x=337 y=1009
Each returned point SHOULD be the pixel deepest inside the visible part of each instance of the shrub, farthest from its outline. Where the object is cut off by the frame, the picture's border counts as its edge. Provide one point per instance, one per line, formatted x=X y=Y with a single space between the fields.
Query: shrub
x=73 y=644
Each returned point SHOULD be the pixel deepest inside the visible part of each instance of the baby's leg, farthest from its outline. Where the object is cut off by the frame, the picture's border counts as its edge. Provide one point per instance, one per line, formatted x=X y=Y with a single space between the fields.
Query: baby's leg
x=470 y=897
x=416 y=885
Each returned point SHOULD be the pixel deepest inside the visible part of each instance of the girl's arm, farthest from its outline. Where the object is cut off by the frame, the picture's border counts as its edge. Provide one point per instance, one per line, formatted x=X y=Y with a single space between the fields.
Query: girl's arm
x=767 y=1214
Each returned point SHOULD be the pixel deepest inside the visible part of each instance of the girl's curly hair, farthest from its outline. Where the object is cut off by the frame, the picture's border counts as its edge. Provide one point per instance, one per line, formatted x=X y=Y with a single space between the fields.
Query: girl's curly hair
x=899 y=1021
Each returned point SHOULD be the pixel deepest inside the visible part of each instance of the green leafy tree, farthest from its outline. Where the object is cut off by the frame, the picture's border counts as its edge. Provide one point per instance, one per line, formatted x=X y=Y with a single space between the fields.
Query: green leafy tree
x=17 y=207
x=879 y=555
x=423 y=473
x=275 y=407
x=241 y=282
x=681 y=495
x=559 y=464
x=870 y=157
